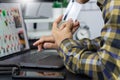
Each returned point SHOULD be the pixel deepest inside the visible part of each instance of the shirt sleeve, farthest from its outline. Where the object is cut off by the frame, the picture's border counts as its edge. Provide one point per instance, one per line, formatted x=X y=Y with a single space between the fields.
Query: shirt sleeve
x=80 y=55
x=85 y=43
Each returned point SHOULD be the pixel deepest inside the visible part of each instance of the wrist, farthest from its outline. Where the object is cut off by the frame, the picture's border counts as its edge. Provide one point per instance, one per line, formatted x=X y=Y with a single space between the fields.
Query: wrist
x=63 y=41
x=59 y=43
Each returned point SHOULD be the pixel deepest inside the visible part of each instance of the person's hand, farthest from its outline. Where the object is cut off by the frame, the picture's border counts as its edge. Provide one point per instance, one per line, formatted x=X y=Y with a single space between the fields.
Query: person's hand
x=66 y=30
x=46 y=42
x=49 y=41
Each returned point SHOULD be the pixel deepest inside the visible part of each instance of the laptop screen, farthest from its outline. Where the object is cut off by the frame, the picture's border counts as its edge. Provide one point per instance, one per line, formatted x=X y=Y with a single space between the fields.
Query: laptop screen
x=13 y=36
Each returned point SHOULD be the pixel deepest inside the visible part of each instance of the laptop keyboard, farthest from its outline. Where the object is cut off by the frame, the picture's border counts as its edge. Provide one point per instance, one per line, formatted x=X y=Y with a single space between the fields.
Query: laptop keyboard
x=49 y=60
x=36 y=56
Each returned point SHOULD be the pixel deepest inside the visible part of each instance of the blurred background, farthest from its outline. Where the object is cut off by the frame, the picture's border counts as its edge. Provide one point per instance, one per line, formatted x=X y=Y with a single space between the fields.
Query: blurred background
x=39 y=16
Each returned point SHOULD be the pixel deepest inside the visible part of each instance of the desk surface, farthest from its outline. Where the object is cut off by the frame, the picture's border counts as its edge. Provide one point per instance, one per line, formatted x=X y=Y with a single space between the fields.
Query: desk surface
x=69 y=75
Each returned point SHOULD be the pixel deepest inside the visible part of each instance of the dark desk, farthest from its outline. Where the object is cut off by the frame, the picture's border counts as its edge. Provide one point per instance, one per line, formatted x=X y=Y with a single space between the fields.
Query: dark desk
x=69 y=75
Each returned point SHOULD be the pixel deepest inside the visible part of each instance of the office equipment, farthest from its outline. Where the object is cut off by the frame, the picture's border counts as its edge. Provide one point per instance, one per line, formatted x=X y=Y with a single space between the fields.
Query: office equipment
x=48 y=60
x=13 y=37
x=14 y=41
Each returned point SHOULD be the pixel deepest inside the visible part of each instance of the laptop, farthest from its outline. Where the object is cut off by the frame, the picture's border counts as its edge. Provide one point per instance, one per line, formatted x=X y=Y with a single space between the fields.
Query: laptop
x=14 y=45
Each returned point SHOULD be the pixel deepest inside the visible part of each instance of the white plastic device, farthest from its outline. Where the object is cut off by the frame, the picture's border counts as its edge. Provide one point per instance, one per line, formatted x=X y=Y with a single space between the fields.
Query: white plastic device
x=72 y=11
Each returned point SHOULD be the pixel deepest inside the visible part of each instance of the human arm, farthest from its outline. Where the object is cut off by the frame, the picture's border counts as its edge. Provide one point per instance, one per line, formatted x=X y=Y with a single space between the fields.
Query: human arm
x=48 y=42
x=102 y=64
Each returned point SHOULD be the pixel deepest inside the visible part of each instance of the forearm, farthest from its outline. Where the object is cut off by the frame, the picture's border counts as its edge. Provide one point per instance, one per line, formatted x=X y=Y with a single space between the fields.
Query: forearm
x=89 y=44
x=86 y=44
x=67 y=50
x=68 y=44
x=77 y=59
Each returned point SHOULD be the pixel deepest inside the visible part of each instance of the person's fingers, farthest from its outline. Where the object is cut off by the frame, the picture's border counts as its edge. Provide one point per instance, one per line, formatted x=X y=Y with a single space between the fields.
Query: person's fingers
x=54 y=28
x=55 y=24
x=49 y=38
x=76 y=23
x=44 y=39
x=62 y=26
x=48 y=45
x=39 y=47
x=75 y=26
x=57 y=21
x=74 y=29
x=69 y=24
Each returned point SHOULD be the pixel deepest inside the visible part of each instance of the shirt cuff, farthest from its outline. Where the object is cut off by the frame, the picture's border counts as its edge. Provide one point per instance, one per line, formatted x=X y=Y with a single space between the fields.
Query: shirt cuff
x=63 y=47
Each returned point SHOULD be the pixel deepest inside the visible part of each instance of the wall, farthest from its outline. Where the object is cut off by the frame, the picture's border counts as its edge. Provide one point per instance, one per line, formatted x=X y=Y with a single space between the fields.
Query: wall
x=94 y=21
x=92 y=18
